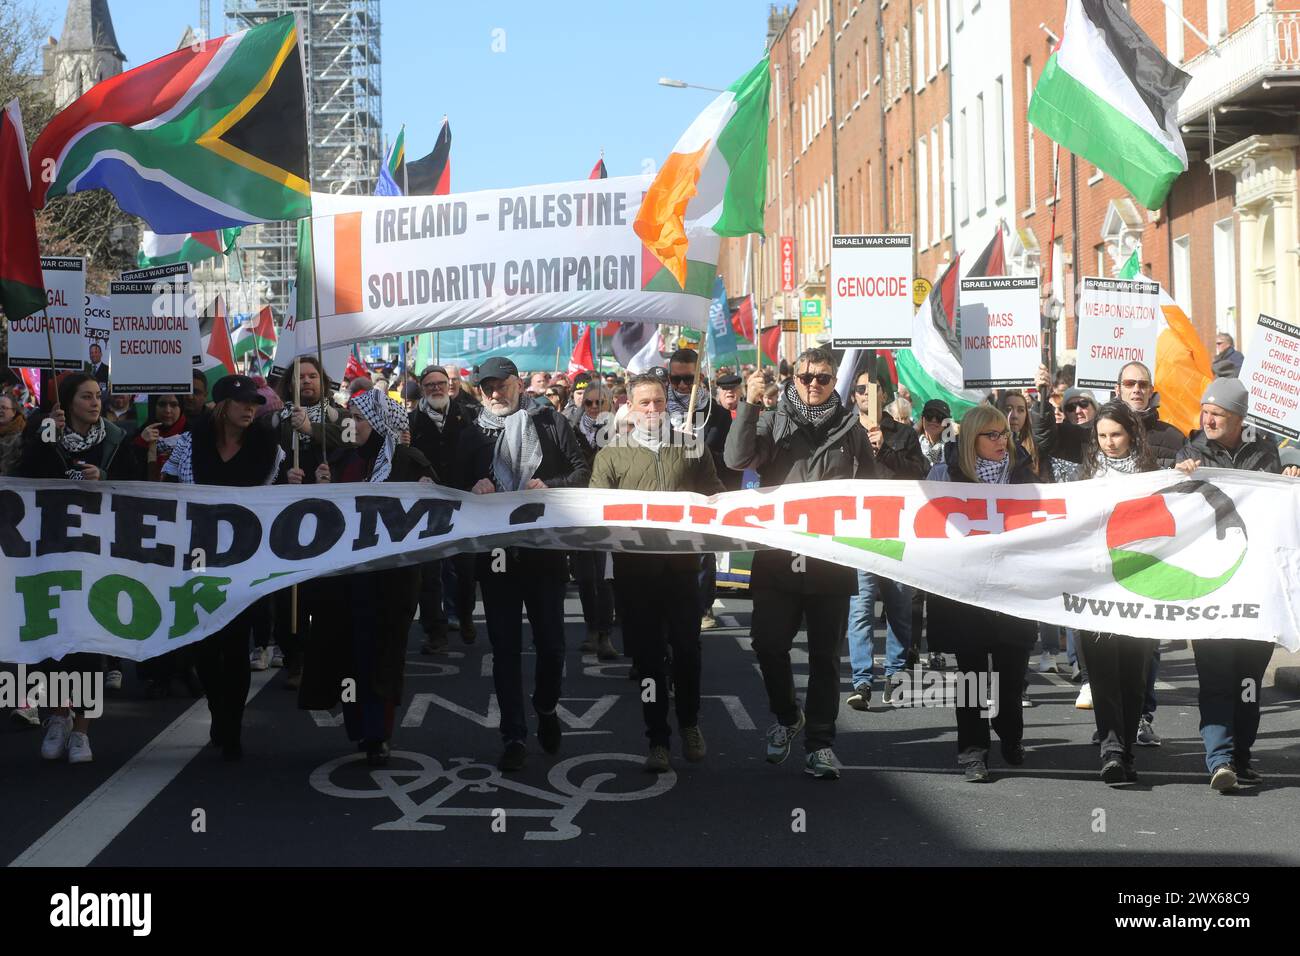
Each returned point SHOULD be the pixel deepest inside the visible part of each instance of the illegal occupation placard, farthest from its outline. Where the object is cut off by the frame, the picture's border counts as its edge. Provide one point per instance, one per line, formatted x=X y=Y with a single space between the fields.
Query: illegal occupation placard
x=65 y=294
x=1272 y=374
x=154 y=337
x=871 y=292
x=1118 y=324
x=1001 y=331
x=566 y=252
x=135 y=569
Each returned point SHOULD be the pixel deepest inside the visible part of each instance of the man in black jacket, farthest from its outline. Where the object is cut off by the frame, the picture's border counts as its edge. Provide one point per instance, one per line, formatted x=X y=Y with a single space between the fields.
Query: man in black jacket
x=1230 y=670
x=898 y=455
x=436 y=426
x=514 y=445
x=1135 y=389
x=809 y=436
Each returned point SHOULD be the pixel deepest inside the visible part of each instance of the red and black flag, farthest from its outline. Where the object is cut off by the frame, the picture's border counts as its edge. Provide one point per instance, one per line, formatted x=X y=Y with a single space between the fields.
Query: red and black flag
x=431 y=176
x=599 y=171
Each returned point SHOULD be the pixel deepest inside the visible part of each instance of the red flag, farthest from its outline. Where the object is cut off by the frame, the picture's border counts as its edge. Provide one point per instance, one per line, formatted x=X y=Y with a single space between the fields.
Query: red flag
x=581 y=360
x=771 y=343
x=265 y=328
x=742 y=320
x=598 y=171
x=219 y=346
x=354 y=368
x=22 y=285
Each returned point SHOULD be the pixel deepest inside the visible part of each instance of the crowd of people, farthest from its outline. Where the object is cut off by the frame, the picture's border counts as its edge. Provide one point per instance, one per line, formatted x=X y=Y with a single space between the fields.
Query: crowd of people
x=498 y=430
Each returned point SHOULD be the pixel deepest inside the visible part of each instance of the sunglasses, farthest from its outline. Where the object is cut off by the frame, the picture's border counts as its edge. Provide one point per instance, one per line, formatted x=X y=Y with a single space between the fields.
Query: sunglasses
x=1135 y=383
x=591 y=403
x=996 y=436
x=821 y=378
x=682 y=379
x=933 y=418
x=1075 y=406
x=857 y=389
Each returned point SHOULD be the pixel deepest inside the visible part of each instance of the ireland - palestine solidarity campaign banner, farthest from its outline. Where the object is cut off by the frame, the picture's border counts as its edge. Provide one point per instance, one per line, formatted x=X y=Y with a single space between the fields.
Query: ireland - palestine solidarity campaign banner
x=136 y=569
x=400 y=265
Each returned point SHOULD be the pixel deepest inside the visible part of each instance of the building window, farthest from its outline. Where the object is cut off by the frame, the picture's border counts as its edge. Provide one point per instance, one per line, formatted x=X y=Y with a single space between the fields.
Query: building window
x=932 y=37
x=922 y=193
x=816 y=110
x=981 y=169
x=1216 y=15
x=918 y=64
x=1096 y=177
x=1225 y=277
x=946 y=166
x=1174 y=31
x=1100 y=251
x=1000 y=142
x=907 y=54
x=1031 y=178
x=935 y=197
x=889 y=76
x=867 y=196
x=963 y=169
x=1183 y=273
x=942 y=17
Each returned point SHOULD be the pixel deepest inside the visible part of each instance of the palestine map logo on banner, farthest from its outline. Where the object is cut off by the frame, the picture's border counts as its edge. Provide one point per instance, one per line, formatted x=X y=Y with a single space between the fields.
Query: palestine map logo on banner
x=1148 y=542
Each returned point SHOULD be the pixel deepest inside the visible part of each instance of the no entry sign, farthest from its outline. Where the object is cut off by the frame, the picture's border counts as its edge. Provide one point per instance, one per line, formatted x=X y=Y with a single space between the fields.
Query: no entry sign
x=871 y=291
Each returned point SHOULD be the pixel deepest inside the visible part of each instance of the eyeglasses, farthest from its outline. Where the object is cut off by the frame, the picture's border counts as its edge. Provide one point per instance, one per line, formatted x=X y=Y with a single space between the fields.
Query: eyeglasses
x=995 y=436
x=1135 y=383
x=1075 y=406
x=682 y=379
x=821 y=378
x=857 y=389
x=591 y=403
x=434 y=385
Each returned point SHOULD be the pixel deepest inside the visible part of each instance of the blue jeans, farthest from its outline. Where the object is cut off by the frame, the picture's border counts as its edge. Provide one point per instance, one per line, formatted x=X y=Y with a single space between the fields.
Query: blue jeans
x=1231 y=676
x=897 y=599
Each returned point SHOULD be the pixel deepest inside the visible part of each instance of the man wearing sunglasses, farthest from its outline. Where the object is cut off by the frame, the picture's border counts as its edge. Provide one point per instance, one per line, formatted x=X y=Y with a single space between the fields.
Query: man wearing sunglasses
x=809 y=436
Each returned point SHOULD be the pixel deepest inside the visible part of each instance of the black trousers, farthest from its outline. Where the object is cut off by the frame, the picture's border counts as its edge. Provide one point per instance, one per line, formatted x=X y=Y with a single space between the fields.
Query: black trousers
x=1117 y=673
x=433 y=617
x=221 y=660
x=1009 y=663
x=776 y=619
x=663 y=610
x=291 y=644
x=594 y=589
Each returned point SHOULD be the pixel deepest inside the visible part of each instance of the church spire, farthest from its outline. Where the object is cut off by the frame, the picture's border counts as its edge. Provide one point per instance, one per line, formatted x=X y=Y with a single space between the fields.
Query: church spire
x=87 y=27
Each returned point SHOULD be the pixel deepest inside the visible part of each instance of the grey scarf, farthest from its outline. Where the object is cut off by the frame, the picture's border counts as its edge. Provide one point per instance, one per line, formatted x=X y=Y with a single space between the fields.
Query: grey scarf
x=439 y=418
x=518 y=449
x=76 y=444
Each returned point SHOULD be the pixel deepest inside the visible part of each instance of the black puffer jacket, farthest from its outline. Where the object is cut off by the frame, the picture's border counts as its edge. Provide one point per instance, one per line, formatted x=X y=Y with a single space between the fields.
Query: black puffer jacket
x=1258 y=455
x=784 y=451
x=900 y=454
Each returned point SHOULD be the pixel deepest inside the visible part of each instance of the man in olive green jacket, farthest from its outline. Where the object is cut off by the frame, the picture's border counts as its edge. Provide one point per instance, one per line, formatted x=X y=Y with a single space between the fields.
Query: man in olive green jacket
x=660 y=593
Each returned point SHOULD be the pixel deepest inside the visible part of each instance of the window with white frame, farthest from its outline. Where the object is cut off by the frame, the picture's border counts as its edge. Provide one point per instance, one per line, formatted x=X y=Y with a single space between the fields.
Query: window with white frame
x=980 y=176
x=1000 y=142
x=1174 y=31
x=963 y=169
x=816 y=110
x=932 y=37
x=898 y=72
x=946 y=166
x=935 y=197
x=1183 y=273
x=1225 y=277
x=922 y=193
x=1216 y=16
x=918 y=60
x=941 y=15
x=888 y=80
x=1031 y=166
x=907 y=53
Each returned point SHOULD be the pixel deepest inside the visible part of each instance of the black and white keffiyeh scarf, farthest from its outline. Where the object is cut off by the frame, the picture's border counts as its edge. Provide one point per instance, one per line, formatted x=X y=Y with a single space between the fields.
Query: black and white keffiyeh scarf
x=677 y=412
x=315 y=414
x=387 y=418
x=76 y=444
x=1120 y=466
x=518 y=450
x=436 y=415
x=814 y=416
x=993 y=472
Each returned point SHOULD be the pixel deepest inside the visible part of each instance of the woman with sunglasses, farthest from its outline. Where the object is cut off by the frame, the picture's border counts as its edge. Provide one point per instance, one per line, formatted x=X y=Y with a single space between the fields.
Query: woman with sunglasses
x=985 y=452
x=595 y=590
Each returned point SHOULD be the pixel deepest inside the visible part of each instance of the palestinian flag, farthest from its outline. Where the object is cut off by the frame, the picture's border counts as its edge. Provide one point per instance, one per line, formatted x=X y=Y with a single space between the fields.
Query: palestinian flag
x=216 y=358
x=599 y=171
x=932 y=367
x=715 y=179
x=1109 y=95
x=22 y=284
x=431 y=176
x=188 y=247
x=192 y=141
x=256 y=337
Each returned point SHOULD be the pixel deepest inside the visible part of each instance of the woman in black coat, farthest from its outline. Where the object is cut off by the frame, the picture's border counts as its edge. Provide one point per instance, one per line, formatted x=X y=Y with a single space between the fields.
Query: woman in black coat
x=984 y=453
x=359 y=631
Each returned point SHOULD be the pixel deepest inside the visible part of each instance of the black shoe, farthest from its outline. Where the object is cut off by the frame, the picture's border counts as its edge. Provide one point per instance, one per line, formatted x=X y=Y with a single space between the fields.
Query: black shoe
x=376 y=753
x=1130 y=773
x=512 y=758
x=1249 y=777
x=548 y=732
x=935 y=663
x=1096 y=736
x=860 y=699
x=1112 y=771
x=1014 y=754
x=434 y=645
x=232 y=751
x=467 y=632
x=888 y=695
x=977 y=772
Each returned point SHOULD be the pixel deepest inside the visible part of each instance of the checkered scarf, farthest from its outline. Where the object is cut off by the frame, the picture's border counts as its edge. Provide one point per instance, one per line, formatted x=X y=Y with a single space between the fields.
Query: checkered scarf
x=388 y=419
x=77 y=444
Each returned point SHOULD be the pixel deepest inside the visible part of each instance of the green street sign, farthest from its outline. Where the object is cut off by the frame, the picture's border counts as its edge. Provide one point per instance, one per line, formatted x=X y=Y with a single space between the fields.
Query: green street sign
x=812 y=308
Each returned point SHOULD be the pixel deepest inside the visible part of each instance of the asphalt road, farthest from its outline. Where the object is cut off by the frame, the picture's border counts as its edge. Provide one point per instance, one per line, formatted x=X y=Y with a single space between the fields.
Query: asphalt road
x=302 y=796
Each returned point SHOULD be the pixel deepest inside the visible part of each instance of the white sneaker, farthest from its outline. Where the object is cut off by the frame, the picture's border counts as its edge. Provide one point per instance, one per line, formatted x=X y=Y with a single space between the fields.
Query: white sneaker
x=55 y=743
x=277 y=656
x=1084 y=700
x=259 y=659
x=113 y=680
x=1047 y=663
x=79 y=748
x=27 y=716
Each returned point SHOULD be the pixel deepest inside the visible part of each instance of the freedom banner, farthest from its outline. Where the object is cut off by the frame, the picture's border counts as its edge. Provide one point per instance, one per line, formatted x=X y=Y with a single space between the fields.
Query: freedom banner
x=1271 y=373
x=1000 y=331
x=135 y=569
x=65 y=292
x=871 y=292
x=1118 y=323
x=389 y=266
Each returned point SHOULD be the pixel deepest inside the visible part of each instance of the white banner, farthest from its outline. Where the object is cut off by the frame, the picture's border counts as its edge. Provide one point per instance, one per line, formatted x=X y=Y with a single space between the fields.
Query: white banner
x=1118 y=324
x=566 y=252
x=1271 y=373
x=1001 y=331
x=871 y=292
x=289 y=345
x=135 y=569
x=65 y=293
x=155 y=337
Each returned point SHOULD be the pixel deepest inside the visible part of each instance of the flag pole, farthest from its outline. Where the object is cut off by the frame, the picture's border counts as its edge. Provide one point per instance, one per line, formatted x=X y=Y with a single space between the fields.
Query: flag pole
x=320 y=352
x=49 y=340
x=297 y=404
x=1049 y=338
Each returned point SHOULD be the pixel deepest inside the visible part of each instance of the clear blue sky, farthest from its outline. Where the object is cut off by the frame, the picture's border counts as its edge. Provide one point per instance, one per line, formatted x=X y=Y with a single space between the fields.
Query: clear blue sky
x=574 y=77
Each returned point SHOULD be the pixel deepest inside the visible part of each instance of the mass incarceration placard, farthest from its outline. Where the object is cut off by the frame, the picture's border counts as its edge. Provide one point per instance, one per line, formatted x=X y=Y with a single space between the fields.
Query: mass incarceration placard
x=154 y=337
x=1001 y=331
x=1271 y=372
x=134 y=569
x=1118 y=324
x=871 y=292
x=65 y=293
x=566 y=252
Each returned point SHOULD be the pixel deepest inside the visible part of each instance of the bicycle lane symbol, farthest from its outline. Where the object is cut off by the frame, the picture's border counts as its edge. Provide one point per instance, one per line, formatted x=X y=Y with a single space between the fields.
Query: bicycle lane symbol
x=567 y=799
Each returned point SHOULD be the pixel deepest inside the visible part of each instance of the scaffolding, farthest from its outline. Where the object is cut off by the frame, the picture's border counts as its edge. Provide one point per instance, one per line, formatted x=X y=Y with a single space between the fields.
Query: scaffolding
x=344 y=132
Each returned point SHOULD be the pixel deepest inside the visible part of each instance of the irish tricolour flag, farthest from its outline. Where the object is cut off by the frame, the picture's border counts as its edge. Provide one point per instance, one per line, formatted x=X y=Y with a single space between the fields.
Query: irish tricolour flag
x=1109 y=95
x=714 y=180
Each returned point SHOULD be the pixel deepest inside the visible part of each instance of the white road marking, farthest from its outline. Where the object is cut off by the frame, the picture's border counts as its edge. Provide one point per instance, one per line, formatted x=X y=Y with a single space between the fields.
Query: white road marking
x=1189 y=775
x=735 y=710
x=88 y=829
